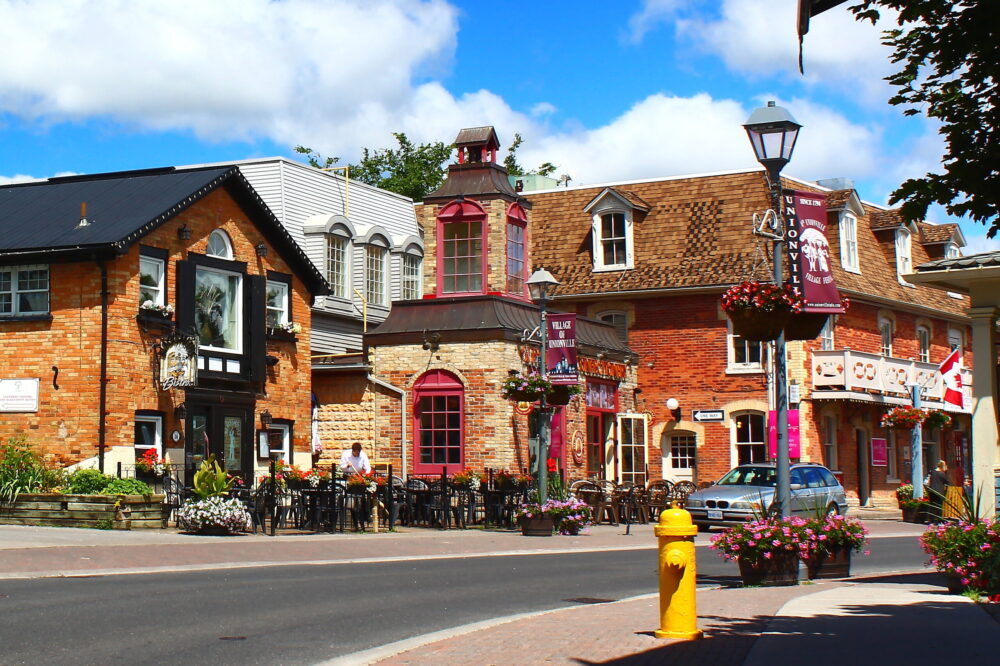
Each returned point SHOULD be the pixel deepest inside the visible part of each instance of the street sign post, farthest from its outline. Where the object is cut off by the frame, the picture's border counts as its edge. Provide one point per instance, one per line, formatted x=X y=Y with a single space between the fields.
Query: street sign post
x=708 y=415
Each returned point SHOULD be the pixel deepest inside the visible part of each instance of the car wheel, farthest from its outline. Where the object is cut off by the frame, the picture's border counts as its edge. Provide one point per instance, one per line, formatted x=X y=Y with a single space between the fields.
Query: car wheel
x=832 y=510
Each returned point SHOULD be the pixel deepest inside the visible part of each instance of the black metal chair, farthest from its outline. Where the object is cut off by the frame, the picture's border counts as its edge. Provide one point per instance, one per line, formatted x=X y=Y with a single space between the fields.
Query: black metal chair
x=174 y=495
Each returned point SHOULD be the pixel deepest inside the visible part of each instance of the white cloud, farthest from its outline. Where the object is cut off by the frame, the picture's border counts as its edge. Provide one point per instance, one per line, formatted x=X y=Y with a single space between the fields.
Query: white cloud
x=543 y=109
x=226 y=69
x=652 y=13
x=17 y=178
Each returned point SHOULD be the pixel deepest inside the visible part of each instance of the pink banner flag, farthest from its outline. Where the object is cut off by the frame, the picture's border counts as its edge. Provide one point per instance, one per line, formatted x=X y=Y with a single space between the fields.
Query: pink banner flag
x=794 y=448
x=951 y=373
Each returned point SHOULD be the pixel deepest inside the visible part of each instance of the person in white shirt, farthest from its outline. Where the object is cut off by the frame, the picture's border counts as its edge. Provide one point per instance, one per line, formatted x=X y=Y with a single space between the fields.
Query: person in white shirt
x=354 y=460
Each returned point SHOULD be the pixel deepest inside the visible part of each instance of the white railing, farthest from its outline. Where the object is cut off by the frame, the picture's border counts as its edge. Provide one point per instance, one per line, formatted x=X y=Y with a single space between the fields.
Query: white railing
x=858 y=371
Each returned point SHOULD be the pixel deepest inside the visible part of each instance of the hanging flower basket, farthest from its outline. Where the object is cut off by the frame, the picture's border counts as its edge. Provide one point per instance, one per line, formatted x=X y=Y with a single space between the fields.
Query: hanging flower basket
x=805 y=326
x=759 y=311
x=904 y=417
x=561 y=394
x=524 y=387
x=758 y=326
x=937 y=419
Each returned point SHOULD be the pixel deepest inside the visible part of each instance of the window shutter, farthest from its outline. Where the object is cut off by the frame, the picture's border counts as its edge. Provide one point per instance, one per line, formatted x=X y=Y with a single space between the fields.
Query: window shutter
x=184 y=311
x=256 y=344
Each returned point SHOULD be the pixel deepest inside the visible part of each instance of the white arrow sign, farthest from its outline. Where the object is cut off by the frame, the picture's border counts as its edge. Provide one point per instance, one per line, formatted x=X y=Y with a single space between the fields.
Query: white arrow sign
x=703 y=415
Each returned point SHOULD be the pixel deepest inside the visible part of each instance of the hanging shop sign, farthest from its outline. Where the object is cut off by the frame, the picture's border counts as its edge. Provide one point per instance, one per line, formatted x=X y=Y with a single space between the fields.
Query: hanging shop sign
x=880 y=452
x=560 y=352
x=18 y=395
x=809 y=265
x=179 y=362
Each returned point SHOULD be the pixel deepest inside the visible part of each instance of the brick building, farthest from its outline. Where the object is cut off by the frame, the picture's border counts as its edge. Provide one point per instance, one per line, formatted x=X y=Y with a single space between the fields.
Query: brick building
x=653 y=257
x=438 y=362
x=160 y=309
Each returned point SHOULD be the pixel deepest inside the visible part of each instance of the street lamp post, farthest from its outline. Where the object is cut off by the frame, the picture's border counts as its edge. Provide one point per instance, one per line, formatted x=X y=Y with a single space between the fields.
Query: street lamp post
x=772 y=132
x=540 y=284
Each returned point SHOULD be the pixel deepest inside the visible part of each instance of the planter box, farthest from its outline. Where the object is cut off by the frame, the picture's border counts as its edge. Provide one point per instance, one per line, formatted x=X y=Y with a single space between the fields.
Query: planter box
x=132 y=512
x=836 y=564
x=783 y=569
x=537 y=526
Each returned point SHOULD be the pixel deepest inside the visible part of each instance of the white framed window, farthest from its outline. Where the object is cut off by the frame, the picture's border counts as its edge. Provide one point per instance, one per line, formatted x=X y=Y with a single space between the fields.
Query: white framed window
x=337 y=264
x=277 y=303
x=619 y=320
x=151 y=277
x=148 y=435
x=375 y=283
x=849 y=243
x=923 y=344
x=749 y=438
x=632 y=449
x=955 y=339
x=681 y=456
x=24 y=290
x=745 y=356
x=410 y=288
x=219 y=245
x=830 y=452
x=885 y=329
x=904 y=258
x=218 y=309
x=279 y=441
x=951 y=251
x=612 y=240
x=826 y=335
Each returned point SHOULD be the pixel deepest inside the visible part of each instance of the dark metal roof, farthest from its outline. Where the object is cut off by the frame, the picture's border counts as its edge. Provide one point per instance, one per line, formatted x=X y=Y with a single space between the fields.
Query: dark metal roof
x=477 y=135
x=41 y=219
x=488 y=317
x=982 y=260
x=473 y=180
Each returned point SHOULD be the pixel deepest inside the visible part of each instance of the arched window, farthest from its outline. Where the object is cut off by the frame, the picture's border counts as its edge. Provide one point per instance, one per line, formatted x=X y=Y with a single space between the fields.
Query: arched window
x=219 y=245
x=885 y=328
x=749 y=438
x=338 y=261
x=923 y=344
x=517 y=224
x=438 y=426
x=461 y=248
x=619 y=320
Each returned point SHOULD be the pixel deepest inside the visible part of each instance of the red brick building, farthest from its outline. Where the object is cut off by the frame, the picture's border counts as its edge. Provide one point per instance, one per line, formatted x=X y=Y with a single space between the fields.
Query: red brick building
x=104 y=277
x=653 y=257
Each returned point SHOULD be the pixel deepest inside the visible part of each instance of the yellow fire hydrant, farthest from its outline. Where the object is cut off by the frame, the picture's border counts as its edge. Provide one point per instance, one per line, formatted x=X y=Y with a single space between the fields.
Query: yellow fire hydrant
x=678 y=611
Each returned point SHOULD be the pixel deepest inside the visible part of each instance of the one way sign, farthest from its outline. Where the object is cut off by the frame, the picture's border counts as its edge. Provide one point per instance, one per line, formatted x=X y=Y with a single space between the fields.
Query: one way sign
x=708 y=415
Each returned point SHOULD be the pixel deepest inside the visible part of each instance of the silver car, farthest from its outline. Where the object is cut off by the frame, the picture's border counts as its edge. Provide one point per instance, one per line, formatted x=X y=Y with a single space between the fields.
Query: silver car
x=748 y=490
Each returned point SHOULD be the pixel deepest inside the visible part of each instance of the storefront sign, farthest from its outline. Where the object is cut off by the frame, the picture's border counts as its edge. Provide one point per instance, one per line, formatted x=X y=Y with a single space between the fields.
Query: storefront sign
x=794 y=449
x=179 y=363
x=809 y=265
x=560 y=353
x=18 y=395
x=880 y=452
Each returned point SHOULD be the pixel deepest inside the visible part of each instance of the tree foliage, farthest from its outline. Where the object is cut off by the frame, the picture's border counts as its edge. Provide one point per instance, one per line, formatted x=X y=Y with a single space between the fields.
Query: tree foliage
x=315 y=159
x=515 y=169
x=950 y=57
x=410 y=170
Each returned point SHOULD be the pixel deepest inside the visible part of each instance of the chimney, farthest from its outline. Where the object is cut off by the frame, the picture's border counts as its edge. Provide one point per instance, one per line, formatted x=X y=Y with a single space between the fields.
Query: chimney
x=84 y=222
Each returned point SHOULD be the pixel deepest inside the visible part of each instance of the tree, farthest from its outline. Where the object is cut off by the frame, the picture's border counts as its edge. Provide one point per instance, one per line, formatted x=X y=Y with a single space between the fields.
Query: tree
x=410 y=170
x=315 y=159
x=950 y=55
x=515 y=169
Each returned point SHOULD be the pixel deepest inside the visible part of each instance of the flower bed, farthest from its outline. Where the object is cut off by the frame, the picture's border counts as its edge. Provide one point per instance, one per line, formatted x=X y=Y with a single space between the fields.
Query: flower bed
x=968 y=552
x=120 y=512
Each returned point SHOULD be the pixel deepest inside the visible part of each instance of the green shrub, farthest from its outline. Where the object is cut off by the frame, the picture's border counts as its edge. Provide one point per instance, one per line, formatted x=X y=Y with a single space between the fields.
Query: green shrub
x=21 y=470
x=127 y=487
x=87 y=482
x=211 y=480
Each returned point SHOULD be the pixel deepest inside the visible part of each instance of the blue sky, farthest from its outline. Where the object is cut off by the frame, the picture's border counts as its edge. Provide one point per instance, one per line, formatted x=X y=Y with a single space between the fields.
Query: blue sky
x=605 y=90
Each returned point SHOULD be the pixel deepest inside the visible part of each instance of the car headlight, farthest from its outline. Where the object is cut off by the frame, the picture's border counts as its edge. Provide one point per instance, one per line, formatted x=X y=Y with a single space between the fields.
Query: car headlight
x=694 y=502
x=740 y=505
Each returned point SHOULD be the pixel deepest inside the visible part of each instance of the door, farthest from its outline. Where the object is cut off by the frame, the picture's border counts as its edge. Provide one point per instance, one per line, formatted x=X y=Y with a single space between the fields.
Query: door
x=679 y=462
x=222 y=431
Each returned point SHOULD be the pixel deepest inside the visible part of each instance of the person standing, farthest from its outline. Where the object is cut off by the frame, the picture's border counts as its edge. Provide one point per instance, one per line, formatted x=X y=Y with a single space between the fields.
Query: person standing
x=938 y=483
x=355 y=461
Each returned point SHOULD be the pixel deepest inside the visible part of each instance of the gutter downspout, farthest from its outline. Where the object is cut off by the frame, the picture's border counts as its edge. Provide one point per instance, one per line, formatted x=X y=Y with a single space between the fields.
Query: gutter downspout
x=103 y=399
x=402 y=417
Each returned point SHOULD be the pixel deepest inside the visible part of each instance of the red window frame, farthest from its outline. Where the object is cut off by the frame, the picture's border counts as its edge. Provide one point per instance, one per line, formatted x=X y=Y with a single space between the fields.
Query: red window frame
x=459 y=214
x=598 y=418
x=437 y=395
x=517 y=258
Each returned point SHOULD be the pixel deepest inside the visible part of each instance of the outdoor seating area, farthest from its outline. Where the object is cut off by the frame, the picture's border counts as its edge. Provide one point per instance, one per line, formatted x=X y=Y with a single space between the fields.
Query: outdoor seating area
x=329 y=501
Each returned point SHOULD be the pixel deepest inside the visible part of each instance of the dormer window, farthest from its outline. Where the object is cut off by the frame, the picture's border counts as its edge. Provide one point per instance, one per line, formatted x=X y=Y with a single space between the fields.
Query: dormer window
x=375 y=273
x=612 y=216
x=951 y=251
x=612 y=240
x=219 y=245
x=904 y=259
x=849 y=242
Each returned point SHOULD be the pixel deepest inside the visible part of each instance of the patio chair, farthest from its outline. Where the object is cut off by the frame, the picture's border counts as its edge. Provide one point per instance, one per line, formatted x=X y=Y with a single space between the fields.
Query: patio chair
x=682 y=489
x=658 y=495
x=174 y=495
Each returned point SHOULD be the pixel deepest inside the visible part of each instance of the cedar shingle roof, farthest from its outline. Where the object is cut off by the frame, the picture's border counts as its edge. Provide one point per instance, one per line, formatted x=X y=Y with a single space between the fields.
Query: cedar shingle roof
x=697 y=233
x=937 y=233
x=885 y=219
x=837 y=198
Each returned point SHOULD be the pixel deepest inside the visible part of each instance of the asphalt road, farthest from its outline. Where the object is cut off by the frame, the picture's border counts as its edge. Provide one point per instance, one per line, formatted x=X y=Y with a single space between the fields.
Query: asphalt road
x=305 y=614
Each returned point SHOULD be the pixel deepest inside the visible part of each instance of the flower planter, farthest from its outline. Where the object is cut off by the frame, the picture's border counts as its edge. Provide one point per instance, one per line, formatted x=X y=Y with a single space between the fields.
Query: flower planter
x=155 y=319
x=537 y=526
x=835 y=564
x=758 y=326
x=559 y=395
x=781 y=569
x=524 y=396
x=805 y=326
x=279 y=334
x=915 y=514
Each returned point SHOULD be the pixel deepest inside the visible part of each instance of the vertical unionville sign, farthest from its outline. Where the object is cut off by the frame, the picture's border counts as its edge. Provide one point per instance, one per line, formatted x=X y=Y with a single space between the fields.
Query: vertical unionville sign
x=809 y=270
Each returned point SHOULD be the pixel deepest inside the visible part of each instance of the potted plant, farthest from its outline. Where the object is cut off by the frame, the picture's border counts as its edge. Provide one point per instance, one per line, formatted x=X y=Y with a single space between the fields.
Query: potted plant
x=466 y=480
x=570 y=515
x=286 y=331
x=915 y=509
x=534 y=520
x=967 y=552
x=903 y=417
x=938 y=419
x=561 y=394
x=767 y=550
x=521 y=387
x=759 y=311
x=210 y=511
x=364 y=483
x=149 y=465
x=831 y=541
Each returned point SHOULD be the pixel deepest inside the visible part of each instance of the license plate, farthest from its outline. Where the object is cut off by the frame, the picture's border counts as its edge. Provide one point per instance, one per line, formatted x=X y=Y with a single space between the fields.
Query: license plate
x=714 y=515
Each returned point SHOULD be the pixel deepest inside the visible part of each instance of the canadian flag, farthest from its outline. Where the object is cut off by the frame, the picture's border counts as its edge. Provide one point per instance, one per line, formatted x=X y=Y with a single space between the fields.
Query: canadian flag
x=951 y=372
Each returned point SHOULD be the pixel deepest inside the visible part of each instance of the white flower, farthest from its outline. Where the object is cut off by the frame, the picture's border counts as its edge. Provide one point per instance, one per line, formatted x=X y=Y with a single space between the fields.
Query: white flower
x=292 y=327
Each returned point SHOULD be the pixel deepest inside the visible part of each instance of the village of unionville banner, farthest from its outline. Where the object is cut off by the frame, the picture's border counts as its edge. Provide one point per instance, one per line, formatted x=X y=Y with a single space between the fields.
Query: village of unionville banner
x=808 y=250
x=560 y=355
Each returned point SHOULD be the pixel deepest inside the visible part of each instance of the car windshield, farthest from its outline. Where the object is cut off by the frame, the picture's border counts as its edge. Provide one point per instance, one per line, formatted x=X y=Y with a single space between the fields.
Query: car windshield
x=749 y=476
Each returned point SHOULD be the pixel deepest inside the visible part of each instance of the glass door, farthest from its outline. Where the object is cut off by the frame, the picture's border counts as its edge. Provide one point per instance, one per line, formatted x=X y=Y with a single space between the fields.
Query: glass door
x=222 y=432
